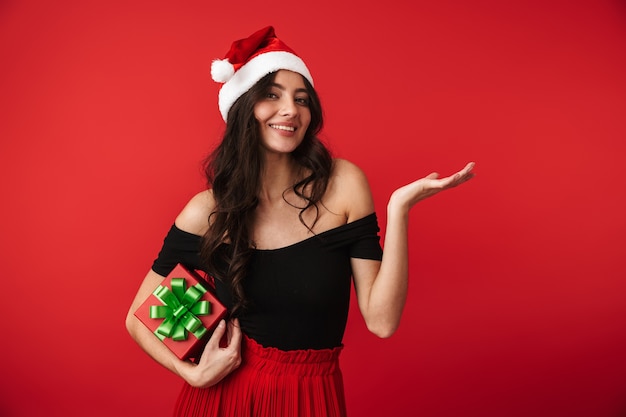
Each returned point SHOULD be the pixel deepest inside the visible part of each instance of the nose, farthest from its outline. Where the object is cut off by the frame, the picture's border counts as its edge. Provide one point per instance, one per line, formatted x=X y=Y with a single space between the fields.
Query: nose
x=288 y=107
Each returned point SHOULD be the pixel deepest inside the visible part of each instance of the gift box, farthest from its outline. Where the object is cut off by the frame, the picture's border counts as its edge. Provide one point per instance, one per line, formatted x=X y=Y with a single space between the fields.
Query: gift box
x=182 y=312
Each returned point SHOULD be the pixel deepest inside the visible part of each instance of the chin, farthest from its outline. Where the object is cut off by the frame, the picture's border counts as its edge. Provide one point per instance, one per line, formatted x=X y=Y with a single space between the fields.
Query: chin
x=281 y=148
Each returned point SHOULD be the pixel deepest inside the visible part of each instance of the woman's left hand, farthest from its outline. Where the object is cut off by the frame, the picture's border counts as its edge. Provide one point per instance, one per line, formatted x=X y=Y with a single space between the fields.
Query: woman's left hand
x=407 y=196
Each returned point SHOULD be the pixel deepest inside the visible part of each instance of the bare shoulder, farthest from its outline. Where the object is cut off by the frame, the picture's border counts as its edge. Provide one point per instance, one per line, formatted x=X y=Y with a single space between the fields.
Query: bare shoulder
x=346 y=168
x=194 y=218
x=352 y=189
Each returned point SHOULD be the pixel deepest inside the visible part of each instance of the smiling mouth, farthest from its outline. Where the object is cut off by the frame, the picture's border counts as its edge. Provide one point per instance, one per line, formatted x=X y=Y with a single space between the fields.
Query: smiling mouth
x=286 y=128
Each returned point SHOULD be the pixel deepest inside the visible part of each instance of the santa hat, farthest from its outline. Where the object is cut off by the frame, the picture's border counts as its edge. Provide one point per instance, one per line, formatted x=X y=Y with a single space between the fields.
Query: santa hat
x=249 y=60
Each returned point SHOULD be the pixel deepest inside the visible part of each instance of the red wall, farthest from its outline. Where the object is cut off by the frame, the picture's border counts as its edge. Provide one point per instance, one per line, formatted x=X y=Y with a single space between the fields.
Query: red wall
x=517 y=293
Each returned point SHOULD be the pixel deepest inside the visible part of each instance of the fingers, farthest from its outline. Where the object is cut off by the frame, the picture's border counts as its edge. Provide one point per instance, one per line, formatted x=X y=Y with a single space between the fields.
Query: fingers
x=455 y=179
x=463 y=175
x=466 y=173
x=234 y=333
x=217 y=360
x=214 y=341
x=466 y=169
x=438 y=184
x=407 y=196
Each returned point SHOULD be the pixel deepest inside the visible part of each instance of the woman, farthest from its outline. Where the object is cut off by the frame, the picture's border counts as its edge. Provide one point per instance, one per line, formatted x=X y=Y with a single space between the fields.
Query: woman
x=283 y=227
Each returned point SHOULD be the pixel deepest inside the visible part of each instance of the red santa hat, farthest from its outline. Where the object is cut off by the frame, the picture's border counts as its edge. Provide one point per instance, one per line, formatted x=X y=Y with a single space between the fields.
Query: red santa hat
x=249 y=60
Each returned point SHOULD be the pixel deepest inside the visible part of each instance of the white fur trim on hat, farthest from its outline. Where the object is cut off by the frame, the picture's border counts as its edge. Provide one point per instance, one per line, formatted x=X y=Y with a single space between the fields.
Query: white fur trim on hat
x=253 y=71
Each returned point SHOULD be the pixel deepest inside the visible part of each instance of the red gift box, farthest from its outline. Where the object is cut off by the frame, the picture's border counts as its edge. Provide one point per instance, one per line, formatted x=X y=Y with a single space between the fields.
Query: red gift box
x=182 y=312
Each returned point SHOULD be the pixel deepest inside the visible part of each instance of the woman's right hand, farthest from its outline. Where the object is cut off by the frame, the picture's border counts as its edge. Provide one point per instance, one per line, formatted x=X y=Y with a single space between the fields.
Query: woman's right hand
x=215 y=362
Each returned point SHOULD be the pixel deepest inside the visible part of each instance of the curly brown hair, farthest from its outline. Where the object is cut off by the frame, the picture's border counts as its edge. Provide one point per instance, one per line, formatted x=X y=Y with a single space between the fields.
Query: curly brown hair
x=233 y=170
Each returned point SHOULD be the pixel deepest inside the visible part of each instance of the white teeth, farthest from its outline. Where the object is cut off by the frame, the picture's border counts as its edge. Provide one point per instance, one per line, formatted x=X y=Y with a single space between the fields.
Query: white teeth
x=287 y=128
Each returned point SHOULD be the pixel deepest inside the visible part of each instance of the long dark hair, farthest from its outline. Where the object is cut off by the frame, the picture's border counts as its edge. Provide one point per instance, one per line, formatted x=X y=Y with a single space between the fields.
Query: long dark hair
x=233 y=170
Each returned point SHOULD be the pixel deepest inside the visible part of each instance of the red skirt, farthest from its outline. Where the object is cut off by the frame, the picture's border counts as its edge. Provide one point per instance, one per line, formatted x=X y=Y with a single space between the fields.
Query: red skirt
x=272 y=383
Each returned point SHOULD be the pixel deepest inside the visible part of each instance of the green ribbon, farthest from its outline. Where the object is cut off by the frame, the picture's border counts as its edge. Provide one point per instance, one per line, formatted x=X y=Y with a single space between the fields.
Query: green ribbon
x=180 y=310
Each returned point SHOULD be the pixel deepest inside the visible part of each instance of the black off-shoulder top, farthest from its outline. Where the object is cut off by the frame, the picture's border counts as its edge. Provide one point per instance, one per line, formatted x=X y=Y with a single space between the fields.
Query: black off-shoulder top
x=298 y=295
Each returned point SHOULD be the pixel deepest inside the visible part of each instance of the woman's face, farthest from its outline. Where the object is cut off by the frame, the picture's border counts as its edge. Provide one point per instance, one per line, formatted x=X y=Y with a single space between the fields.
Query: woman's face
x=283 y=114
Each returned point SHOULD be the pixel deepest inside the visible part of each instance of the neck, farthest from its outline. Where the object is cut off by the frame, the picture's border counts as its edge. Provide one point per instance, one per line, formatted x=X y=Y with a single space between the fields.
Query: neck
x=279 y=174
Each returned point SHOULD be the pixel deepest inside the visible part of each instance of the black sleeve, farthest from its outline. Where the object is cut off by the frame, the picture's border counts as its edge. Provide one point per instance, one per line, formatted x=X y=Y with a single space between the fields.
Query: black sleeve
x=366 y=244
x=178 y=247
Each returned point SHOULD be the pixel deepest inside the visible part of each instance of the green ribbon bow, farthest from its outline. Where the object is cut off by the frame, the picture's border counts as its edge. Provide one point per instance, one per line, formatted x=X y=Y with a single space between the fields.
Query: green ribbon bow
x=180 y=310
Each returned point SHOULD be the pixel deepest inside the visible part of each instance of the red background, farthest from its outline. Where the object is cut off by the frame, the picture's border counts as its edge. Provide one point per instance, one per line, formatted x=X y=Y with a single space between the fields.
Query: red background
x=517 y=293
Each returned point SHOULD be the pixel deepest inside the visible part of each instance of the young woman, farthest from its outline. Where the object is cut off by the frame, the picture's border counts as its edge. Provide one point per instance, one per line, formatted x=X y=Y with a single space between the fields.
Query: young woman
x=283 y=228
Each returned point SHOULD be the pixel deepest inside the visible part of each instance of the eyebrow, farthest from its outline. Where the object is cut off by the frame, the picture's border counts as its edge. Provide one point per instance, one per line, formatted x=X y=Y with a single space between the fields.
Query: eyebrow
x=282 y=87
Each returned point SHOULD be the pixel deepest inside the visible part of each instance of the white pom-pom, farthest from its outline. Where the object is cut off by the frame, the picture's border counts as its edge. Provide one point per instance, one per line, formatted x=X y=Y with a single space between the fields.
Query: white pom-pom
x=222 y=70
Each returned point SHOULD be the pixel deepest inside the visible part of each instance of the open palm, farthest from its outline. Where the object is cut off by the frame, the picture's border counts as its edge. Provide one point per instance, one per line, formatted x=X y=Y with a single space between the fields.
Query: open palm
x=408 y=195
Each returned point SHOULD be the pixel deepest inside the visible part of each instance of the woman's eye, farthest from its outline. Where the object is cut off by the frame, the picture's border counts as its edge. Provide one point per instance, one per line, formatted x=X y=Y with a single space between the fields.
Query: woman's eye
x=271 y=95
x=302 y=100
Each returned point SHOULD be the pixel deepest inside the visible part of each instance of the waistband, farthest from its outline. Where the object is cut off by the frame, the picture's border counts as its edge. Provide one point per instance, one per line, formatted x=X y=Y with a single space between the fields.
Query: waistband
x=292 y=362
